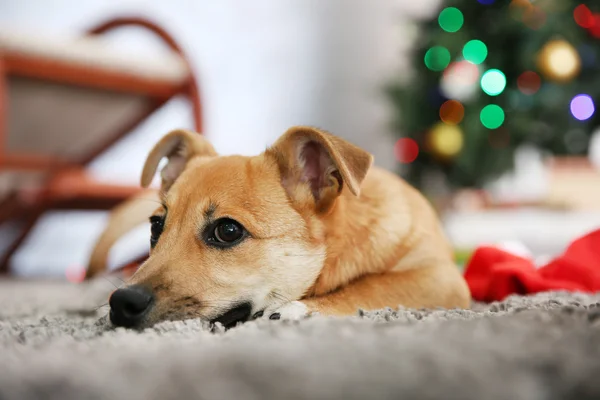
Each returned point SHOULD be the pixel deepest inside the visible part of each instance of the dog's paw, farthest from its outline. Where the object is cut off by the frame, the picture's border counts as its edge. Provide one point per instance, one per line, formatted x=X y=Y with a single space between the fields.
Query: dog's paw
x=292 y=311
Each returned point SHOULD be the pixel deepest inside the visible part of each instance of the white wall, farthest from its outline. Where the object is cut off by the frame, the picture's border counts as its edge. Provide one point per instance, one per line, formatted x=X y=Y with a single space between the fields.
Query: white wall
x=263 y=66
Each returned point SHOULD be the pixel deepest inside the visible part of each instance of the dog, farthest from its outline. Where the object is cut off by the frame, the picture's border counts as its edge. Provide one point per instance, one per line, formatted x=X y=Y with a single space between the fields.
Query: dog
x=308 y=226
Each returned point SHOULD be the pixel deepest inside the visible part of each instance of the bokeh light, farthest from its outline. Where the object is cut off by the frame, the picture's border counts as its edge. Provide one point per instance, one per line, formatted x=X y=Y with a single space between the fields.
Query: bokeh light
x=486 y=2
x=594 y=30
x=467 y=72
x=475 y=51
x=452 y=112
x=529 y=82
x=437 y=58
x=451 y=19
x=534 y=17
x=582 y=107
x=460 y=81
x=493 y=82
x=406 y=150
x=492 y=116
x=559 y=61
x=445 y=140
x=583 y=16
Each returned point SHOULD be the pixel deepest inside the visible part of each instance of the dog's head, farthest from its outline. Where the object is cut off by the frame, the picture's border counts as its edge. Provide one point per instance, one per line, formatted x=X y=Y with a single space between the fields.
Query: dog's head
x=236 y=234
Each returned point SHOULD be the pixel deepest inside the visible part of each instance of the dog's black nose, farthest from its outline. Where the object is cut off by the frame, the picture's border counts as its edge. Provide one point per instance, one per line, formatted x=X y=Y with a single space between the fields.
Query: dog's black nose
x=128 y=306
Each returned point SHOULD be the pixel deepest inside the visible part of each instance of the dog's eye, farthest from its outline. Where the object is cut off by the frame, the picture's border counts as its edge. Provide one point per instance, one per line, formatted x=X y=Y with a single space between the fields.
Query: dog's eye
x=226 y=232
x=156 y=227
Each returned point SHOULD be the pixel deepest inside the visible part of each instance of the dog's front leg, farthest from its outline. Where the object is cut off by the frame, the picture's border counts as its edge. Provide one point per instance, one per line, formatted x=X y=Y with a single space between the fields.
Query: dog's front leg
x=291 y=311
x=428 y=287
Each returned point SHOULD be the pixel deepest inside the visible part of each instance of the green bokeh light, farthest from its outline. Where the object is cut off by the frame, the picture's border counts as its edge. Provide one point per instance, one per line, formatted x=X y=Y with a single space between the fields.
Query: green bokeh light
x=451 y=19
x=475 y=51
x=437 y=58
x=493 y=82
x=492 y=116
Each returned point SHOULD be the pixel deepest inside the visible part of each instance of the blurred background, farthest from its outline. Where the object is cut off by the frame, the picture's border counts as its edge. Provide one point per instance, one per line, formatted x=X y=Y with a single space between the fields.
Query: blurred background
x=487 y=106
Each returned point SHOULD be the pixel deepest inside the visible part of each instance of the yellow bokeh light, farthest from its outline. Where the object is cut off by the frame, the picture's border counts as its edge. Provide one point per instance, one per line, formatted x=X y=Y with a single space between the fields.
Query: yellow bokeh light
x=445 y=140
x=559 y=61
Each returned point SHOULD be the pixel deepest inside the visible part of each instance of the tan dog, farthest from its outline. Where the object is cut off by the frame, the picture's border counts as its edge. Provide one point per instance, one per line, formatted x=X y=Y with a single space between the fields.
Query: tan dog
x=307 y=226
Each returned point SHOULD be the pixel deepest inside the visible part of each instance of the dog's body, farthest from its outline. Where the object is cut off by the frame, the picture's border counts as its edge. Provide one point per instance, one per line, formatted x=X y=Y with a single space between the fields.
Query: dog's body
x=321 y=231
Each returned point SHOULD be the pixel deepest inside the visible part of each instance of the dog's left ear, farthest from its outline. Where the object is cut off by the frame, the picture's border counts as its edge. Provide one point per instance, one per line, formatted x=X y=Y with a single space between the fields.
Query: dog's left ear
x=315 y=165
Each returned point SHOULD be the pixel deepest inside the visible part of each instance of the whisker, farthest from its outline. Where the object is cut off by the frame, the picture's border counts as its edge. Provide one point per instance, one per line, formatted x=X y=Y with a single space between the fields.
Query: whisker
x=100 y=306
x=280 y=296
x=122 y=281
x=109 y=281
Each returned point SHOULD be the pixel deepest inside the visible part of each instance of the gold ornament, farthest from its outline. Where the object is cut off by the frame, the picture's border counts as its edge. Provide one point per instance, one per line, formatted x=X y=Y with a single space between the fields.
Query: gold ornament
x=558 y=61
x=445 y=141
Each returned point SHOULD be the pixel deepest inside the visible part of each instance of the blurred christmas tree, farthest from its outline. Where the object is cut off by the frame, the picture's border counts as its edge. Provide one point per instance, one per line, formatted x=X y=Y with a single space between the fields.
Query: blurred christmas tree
x=492 y=75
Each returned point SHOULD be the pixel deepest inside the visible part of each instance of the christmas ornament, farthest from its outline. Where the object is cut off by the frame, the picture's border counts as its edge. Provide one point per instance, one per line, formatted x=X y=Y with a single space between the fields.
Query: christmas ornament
x=452 y=112
x=437 y=58
x=493 y=82
x=451 y=19
x=445 y=141
x=475 y=51
x=583 y=16
x=559 y=61
x=492 y=116
x=594 y=30
x=406 y=150
x=582 y=107
x=529 y=82
x=459 y=81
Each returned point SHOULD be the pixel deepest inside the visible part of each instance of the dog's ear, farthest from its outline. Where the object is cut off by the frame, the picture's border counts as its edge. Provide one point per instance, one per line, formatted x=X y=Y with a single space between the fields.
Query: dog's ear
x=179 y=146
x=315 y=164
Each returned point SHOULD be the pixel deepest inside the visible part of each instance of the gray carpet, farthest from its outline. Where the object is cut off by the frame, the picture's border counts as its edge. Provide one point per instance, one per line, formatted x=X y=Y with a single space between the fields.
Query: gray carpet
x=54 y=345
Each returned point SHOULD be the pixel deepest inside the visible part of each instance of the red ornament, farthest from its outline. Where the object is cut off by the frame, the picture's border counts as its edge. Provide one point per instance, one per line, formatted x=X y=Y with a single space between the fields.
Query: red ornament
x=594 y=30
x=452 y=112
x=406 y=150
x=529 y=82
x=583 y=16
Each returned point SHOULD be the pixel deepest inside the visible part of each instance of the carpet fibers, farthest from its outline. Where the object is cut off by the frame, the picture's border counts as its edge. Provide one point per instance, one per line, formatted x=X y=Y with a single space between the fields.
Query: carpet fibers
x=55 y=344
